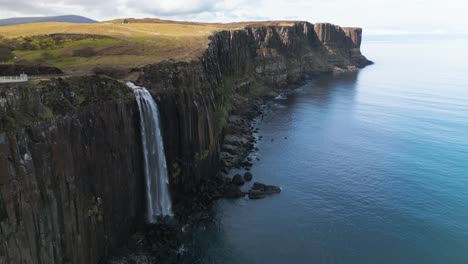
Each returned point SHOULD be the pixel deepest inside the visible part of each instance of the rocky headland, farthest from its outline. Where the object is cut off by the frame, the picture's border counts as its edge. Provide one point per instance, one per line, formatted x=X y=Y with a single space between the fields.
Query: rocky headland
x=71 y=177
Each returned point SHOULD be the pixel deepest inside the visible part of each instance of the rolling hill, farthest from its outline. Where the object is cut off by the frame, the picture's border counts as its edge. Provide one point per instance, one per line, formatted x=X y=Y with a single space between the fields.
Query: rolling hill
x=80 y=48
x=26 y=20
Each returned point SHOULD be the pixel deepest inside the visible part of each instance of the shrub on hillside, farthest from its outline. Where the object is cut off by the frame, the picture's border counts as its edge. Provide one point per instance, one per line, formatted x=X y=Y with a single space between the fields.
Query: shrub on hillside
x=47 y=56
x=6 y=52
x=46 y=43
x=27 y=43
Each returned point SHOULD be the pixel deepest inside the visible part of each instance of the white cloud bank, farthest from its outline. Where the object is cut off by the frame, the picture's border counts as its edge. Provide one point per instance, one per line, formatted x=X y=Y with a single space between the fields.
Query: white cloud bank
x=375 y=16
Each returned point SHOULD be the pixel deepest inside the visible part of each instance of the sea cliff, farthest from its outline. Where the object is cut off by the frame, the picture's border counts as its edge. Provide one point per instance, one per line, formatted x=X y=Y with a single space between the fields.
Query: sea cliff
x=71 y=179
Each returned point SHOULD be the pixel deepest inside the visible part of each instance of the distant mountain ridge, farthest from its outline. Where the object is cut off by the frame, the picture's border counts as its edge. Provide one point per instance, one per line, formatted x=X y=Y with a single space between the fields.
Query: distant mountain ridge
x=26 y=20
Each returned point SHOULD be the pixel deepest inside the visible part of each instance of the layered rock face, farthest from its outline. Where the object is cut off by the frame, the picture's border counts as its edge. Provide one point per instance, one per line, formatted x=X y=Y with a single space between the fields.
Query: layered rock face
x=71 y=185
x=188 y=101
x=342 y=42
x=196 y=97
x=71 y=179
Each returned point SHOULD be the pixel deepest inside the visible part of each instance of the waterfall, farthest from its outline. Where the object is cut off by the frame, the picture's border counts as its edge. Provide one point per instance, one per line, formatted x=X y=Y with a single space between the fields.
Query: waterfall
x=157 y=182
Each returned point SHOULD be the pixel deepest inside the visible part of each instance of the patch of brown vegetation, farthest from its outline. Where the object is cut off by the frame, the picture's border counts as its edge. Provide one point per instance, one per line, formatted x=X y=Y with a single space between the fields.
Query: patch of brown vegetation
x=113 y=72
x=86 y=52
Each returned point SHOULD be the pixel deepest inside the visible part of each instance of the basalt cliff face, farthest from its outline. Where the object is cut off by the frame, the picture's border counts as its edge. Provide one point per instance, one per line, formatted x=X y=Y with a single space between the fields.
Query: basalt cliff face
x=196 y=97
x=71 y=178
x=70 y=170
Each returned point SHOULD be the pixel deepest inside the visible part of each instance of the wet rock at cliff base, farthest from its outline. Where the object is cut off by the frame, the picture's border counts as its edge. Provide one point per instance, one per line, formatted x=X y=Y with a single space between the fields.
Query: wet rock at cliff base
x=271 y=189
x=235 y=140
x=228 y=160
x=256 y=194
x=237 y=179
x=233 y=191
x=225 y=155
x=273 y=94
x=268 y=189
x=231 y=149
x=227 y=180
x=258 y=186
x=235 y=120
x=151 y=245
x=248 y=176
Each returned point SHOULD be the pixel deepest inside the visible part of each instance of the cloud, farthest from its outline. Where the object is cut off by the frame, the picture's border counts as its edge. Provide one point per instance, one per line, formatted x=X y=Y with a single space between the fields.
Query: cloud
x=373 y=15
x=107 y=9
x=49 y=7
x=21 y=6
x=177 y=7
x=203 y=10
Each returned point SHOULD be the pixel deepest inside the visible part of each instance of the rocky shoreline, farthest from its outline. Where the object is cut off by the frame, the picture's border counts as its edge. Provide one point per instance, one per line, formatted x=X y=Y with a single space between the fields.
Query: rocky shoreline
x=239 y=142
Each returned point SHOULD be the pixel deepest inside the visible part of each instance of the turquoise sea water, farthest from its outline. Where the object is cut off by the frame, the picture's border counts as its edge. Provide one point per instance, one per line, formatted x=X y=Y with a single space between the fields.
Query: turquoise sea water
x=374 y=168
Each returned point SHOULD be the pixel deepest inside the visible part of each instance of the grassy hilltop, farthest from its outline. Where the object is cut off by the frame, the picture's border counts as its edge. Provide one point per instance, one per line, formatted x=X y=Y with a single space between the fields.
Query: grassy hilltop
x=79 y=48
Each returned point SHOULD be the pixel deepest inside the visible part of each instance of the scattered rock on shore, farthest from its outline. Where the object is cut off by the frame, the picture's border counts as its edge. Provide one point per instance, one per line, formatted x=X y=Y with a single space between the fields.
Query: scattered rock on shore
x=263 y=188
x=258 y=186
x=270 y=189
x=231 y=149
x=248 y=176
x=237 y=179
x=255 y=194
x=233 y=191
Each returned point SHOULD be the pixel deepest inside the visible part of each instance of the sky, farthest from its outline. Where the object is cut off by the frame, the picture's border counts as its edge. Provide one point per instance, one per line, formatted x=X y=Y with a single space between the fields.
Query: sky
x=375 y=16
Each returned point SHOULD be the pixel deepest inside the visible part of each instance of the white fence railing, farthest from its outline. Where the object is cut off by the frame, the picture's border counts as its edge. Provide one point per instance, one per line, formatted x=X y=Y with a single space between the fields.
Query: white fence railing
x=9 y=79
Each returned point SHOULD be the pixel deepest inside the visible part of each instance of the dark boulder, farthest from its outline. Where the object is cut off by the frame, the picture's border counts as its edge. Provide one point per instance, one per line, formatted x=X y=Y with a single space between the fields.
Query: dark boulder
x=258 y=186
x=231 y=149
x=255 y=194
x=248 y=176
x=233 y=191
x=227 y=180
x=270 y=189
x=237 y=179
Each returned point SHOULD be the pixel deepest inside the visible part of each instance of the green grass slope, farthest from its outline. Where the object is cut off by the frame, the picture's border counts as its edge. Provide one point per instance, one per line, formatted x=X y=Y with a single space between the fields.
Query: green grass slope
x=79 y=48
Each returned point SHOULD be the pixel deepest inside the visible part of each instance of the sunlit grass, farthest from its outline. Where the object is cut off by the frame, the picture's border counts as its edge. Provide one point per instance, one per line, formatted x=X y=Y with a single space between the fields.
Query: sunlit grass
x=127 y=45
